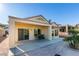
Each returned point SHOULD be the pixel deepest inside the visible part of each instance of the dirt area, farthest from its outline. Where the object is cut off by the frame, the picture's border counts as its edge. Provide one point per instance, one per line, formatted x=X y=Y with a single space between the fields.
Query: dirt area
x=4 y=46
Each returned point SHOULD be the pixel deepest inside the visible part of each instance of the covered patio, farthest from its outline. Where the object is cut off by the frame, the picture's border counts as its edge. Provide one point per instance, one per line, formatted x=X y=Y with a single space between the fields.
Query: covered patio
x=28 y=29
x=29 y=45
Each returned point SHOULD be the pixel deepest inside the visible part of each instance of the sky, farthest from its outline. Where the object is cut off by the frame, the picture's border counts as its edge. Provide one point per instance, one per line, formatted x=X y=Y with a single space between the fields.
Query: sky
x=61 y=13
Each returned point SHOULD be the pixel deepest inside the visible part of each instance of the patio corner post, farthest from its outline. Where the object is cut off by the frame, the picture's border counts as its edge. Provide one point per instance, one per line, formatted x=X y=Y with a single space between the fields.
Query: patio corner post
x=66 y=28
x=11 y=32
x=58 y=31
x=50 y=32
x=31 y=34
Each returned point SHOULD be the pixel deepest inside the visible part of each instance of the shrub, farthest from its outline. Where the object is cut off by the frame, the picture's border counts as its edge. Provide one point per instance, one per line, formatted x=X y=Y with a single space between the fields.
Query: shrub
x=73 y=40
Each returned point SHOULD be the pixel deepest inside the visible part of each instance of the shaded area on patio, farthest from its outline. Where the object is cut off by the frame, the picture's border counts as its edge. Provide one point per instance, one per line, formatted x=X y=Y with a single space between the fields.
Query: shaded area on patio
x=61 y=48
x=56 y=46
x=29 y=45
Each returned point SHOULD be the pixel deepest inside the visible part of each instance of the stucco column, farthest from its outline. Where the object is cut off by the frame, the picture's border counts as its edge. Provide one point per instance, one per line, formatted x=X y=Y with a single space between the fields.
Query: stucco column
x=50 y=32
x=58 y=31
x=67 y=29
x=54 y=32
x=11 y=32
x=31 y=34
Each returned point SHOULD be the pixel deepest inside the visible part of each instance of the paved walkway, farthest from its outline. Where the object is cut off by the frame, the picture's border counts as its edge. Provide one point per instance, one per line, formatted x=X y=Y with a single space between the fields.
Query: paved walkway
x=48 y=48
x=4 y=47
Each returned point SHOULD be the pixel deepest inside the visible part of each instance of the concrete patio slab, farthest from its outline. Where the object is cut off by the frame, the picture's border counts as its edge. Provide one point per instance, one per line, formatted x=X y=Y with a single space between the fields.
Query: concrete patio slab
x=61 y=48
x=25 y=46
x=58 y=47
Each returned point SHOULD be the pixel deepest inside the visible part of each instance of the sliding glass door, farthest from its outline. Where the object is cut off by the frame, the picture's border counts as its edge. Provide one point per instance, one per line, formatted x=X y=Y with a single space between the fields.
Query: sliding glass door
x=23 y=34
x=37 y=32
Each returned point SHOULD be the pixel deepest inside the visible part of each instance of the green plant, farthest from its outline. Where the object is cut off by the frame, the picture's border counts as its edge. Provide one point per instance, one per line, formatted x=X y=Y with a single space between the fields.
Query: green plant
x=73 y=40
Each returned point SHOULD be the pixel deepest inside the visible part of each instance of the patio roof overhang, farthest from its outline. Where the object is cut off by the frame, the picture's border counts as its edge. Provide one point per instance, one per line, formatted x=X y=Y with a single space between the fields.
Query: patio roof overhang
x=30 y=22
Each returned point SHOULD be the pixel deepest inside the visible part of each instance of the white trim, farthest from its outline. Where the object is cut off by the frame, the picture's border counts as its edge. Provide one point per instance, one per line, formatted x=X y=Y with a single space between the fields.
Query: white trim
x=20 y=49
x=10 y=53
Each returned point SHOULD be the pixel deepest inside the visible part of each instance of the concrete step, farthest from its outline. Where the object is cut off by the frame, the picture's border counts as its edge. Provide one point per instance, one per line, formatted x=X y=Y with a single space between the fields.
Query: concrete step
x=16 y=51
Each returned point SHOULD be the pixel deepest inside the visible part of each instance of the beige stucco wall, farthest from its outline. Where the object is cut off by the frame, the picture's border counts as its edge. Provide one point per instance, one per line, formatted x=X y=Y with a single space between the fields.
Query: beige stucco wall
x=63 y=34
x=30 y=24
x=13 y=31
x=31 y=28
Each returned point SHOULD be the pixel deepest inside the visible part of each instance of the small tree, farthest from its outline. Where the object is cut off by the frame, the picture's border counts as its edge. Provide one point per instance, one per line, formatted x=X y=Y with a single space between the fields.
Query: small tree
x=73 y=40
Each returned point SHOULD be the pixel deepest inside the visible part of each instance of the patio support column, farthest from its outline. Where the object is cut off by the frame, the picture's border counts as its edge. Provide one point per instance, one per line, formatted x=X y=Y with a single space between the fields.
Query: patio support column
x=31 y=34
x=58 y=31
x=12 y=34
x=50 y=32
x=54 y=32
x=67 y=29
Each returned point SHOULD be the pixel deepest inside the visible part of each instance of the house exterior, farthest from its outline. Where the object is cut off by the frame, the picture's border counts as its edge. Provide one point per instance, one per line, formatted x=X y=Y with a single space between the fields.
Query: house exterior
x=64 y=30
x=77 y=25
x=30 y=28
x=55 y=30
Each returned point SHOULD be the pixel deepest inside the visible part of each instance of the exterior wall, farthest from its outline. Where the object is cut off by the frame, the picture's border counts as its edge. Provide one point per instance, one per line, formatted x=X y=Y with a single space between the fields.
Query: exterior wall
x=55 y=28
x=31 y=29
x=54 y=32
x=50 y=32
x=65 y=33
x=15 y=24
x=67 y=29
x=13 y=31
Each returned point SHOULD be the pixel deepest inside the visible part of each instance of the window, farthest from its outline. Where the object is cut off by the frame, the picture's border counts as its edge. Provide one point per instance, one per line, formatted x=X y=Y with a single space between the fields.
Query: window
x=56 y=32
x=52 y=33
x=39 y=31
x=35 y=32
x=62 y=29
x=26 y=33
